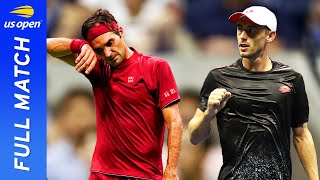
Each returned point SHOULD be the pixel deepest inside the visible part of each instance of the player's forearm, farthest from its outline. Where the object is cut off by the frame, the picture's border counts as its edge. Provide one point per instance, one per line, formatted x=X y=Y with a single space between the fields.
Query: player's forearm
x=200 y=127
x=304 y=146
x=59 y=47
x=174 y=143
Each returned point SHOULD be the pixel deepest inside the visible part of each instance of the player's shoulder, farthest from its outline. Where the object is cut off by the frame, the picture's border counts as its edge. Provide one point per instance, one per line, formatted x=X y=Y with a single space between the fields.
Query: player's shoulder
x=281 y=67
x=151 y=60
x=234 y=66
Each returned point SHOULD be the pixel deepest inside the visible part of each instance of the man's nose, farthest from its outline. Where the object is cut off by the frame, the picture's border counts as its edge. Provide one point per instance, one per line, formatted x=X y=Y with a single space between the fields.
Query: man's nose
x=107 y=51
x=243 y=35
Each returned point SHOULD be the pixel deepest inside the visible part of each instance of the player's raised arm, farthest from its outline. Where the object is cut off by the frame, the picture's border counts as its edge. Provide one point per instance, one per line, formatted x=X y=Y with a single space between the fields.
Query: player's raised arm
x=200 y=125
x=75 y=52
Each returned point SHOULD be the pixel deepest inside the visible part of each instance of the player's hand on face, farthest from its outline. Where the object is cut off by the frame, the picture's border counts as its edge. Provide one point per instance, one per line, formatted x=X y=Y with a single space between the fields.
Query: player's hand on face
x=217 y=100
x=86 y=60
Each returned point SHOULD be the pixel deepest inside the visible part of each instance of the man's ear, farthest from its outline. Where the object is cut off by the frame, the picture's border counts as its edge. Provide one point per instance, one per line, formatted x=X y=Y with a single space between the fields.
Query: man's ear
x=272 y=35
x=121 y=33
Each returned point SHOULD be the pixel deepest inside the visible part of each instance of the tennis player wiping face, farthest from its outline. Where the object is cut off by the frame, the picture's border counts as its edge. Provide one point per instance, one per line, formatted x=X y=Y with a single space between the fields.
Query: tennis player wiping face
x=135 y=97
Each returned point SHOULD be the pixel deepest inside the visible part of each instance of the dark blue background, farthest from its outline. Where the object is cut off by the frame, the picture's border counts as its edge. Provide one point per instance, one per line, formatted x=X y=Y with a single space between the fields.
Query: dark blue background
x=37 y=86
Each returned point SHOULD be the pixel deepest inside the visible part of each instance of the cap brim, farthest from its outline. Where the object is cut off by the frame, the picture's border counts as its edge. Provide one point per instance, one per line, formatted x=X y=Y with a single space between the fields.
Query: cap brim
x=235 y=17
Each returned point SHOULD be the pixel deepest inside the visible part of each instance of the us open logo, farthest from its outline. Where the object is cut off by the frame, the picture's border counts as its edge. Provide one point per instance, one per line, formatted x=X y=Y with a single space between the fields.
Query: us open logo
x=26 y=12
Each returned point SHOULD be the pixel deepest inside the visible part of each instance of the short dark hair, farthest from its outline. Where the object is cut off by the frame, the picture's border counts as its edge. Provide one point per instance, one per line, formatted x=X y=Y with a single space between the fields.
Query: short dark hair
x=101 y=16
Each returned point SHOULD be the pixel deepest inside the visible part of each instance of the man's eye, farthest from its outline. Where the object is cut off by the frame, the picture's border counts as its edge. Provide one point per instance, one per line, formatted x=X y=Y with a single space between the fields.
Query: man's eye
x=251 y=30
x=98 y=51
x=109 y=43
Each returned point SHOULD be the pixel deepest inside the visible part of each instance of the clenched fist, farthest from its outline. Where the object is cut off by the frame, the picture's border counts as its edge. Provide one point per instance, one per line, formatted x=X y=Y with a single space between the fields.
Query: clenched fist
x=217 y=100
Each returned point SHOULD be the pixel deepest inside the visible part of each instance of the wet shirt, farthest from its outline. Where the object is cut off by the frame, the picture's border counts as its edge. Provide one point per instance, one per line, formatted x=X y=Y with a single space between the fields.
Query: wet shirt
x=254 y=126
x=130 y=126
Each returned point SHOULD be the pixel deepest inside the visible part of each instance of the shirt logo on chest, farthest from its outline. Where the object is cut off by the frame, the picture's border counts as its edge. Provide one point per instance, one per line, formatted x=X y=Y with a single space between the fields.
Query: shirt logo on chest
x=284 y=89
x=130 y=79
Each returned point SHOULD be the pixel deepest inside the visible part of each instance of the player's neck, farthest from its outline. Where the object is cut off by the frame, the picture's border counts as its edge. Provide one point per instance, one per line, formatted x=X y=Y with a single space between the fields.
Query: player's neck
x=260 y=64
x=128 y=53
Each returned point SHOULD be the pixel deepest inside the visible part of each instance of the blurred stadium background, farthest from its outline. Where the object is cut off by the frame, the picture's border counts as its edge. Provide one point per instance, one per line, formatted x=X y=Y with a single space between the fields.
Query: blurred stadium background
x=194 y=36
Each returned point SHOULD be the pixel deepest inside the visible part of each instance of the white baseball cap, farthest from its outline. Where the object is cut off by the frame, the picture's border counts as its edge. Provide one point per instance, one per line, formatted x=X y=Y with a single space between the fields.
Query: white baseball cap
x=259 y=15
